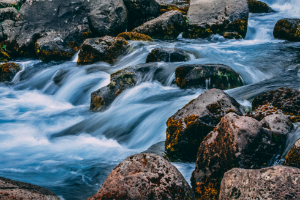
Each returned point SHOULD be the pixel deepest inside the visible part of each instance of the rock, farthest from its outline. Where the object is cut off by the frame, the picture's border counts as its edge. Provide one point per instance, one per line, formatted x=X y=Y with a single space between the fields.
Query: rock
x=262 y=111
x=158 y=149
x=18 y=190
x=232 y=35
x=206 y=17
x=207 y=76
x=4 y=57
x=259 y=7
x=187 y=128
x=167 y=55
x=106 y=49
x=167 y=26
x=144 y=176
x=10 y=13
x=168 y=5
x=293 y=157
x=8 y=71
x=276 y=182
x=287 y=29
x=135 y=36
x=237 y=141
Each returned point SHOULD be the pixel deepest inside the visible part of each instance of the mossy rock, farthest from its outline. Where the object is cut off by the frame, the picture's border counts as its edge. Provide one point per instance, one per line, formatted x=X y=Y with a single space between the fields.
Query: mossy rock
x=287 y=29
x=259 y=7
x=167 y=55
x=135 y=36
x=8 y=71
x=293 y=157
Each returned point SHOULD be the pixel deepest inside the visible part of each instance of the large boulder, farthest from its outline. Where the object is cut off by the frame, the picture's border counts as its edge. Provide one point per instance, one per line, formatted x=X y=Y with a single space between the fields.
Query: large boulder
x=276 y=182
x=287 y=29
x=10 y=189
x=187 y=128
x=135 y=36
x=206 y=17
x=237 y=141
x=207 y=76
x=106 y=49
x=167 y=55
x=8 y=71
x=293 y=157
x=259 y=7
x=144 y=176
x=167 y=26
x=167 y=5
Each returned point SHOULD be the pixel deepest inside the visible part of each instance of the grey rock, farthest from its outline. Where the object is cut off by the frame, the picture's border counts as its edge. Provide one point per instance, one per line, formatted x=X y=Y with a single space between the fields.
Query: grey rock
x=167 y=55
x=158 y=149
x=10 y=13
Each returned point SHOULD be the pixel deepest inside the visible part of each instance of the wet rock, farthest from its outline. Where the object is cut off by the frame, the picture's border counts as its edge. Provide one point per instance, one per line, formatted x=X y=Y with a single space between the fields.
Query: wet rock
x=158 y=149
x=207 y=76
x=167 y=55
x=276 y=182
x=106 y=49
x=237 y=141
x=167 y=26
x=18 y=190
x=217 y=16
x=10 y=13
x=4 y=56
x=232 y=35
x=293 y=157
x=187 y=128
x=259 y=7
x=168 y=5
x=8 y=71
x=287 y=29
x=144 y=176
x=135 y=36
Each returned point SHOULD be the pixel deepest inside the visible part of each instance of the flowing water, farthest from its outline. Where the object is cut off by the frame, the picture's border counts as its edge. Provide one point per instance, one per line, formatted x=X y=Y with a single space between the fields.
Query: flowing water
x=49 y=137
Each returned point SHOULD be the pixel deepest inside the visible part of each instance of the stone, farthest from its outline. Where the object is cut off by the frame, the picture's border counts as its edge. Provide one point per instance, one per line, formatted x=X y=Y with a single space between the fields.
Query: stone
x=189 y=126
x=287 y=29
x=167 y=26
x=292 y=159
x=259 y=7
x=277 y=182
x=207 y=76
x=11 y=189
x=168 y=5
x=232 y=35
x=167 y=55
x=8 y=71
x=237 y=141
x=144 y=176
x=158 y=149
x=207 y=17
x=106 y=49
x=135 y=36
x=10 y=13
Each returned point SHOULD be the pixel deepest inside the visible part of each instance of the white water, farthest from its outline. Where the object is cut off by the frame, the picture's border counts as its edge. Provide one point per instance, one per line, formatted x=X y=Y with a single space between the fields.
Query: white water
x=35 y=109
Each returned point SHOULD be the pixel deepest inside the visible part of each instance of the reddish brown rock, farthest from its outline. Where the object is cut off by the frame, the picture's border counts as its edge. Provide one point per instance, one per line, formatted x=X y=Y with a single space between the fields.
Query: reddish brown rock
x=187 y=128
x=8 y=71
x=144 y=176
x=276 y=182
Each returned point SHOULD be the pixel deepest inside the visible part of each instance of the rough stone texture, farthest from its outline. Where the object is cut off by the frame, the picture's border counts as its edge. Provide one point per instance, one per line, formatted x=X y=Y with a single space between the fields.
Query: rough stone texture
x=287 y=29
x=167 y=26
x=135 y=36
x=15 y=190
x=106 y=49
x=167 y=5
x=235 y=142
x=276 y=182
x=293 y=157
x=10 y=13
x=167 y=55
x=8 y=71
x=206 y=17
x=158 y=149
x=207 y=76
x=262 y=111
x=259 y=7
x=187 y=128
x=144 y=176
x=232 y=35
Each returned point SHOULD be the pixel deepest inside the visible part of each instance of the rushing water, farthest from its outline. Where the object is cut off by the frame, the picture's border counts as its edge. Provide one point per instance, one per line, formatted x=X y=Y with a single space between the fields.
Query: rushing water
x=49 y=137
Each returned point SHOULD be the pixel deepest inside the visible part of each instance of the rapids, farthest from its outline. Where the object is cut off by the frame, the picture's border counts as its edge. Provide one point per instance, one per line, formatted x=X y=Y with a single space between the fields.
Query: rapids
x=48 y=136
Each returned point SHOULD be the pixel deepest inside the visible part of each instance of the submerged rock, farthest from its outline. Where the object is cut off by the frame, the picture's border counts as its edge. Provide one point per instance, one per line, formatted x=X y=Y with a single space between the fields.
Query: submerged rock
x=18 y=190
x=8 y=71
x=167 y=26
x=237 y=141
x=276 y=182
x=287 y=29
x=293 y=157
x=259 y=7
x=187 y=128
x=207 y=76
x=144 y=176
x=167 y=5
x=135 y=36
x=167 y=55
x=217 y=16
x=106 y=49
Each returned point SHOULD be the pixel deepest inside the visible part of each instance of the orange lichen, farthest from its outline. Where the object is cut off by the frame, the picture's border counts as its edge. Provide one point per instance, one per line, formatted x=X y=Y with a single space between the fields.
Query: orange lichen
x=135 y=36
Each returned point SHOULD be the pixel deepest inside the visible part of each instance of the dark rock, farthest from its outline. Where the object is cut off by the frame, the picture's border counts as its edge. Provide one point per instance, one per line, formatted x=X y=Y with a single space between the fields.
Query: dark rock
x=10 y=189
x=232 y=35
x=167 y=55
x=187 y=128
x=207 y=76
x=167 y=26
x=144 y=176
x=158 y=149
x=259 y=7
x=287 y=29
x=235 y=142
x=293 y=157
x=106 y=49
x=10 y=13
x=217 y=16
x=135 y=36
x=8 y=71
x=168 y=5
x=276 y=182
